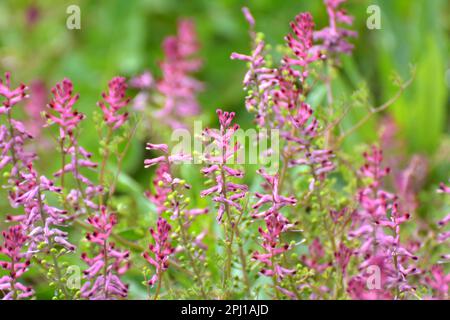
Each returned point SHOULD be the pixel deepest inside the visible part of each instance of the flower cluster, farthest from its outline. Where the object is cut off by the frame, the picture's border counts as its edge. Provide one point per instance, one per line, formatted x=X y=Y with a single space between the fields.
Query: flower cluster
x=379 y=211
x=11 y=96
x=221 y=151
x=114 y=101
x=169 y=198
x=61 y=109
x=161 y=250
x=280 y=93
x=103 y=275
x=177 y=87
x=13 y=247
x=13 y=136
x=276 y=225
x=63 y=114
x=334 y=38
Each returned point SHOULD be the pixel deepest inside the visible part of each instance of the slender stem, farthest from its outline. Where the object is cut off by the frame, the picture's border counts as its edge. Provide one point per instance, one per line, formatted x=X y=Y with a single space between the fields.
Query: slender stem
x=52 y=245
x=105 y=161
x=11 y=133
x=158 y=288
x=274 y=278
x=63 y=164
x=194 y=267
x=373 y=111
x=229 y=237
x=120 y=161
x=105 y=268
x=13 y=278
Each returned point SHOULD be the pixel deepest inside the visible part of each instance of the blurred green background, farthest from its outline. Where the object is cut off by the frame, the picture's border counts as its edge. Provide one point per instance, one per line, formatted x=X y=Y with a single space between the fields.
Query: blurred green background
x=123 y=37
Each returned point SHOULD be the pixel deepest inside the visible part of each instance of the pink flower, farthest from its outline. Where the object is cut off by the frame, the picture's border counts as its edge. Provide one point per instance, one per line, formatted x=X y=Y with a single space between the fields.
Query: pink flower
x=143 y=81
x=302 y=43
x=177 y=85
x=334 y=38
x=275 y=200
x=227 y=194
x=258 y=81
x=35 y=105
x=161 y=250
x=62 y=112
x=273 y=246
x=379 y=211
x=342 y=256
x=443 y=188
x=114 y=101
x=316 y=254
x=439 y=282
x=11 y=96
x=248 y=16
x=102 y=275
x=13 y=246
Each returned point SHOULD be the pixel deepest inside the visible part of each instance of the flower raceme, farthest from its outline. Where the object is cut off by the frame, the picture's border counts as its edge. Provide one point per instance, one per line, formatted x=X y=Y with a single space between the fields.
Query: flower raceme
x=161 y=250
x=177 y=89
x=334 y=38
x=103 y=275
x=14 y=247
x=113 y=101
x=61 y=109
x=11 y=96
x=380 y=211
x=226 y=193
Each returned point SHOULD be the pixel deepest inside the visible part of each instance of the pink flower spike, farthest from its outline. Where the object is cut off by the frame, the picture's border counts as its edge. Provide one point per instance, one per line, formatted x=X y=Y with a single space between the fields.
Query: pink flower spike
x=114 y=100
x=161 y=147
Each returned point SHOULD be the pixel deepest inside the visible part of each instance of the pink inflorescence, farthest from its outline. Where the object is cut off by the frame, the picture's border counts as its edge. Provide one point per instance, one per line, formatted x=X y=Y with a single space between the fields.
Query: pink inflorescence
x=177 y=84
x=226 y=193
x=62 y=113
x=377 y=226
x=333 y=37
x=114 y=100
x=162 y=249
x=13 y=247
x=103 y=275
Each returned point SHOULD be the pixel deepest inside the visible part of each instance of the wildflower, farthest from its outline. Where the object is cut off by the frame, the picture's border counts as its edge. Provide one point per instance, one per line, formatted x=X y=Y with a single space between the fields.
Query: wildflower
x=103 y=275
x=248 y=16
x=379 y=210
x=161 y=250
x=15 y=240
x=177 y=86
x=11 y=96
x=114 y=101
x=143 y=81
x=260 y=78
x=61 y=108
x=226 y=192
x=63 y=114
x=302 y=43
x=41 y=220
x=342 y=256
x=316 y=254
x=439 y=282
x=275 y=199
x=333 y=37
x=443 y=236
